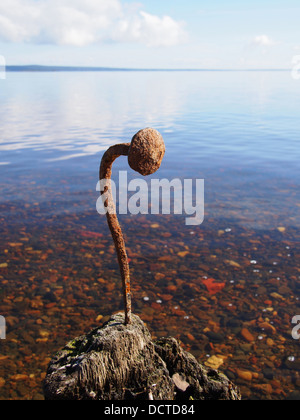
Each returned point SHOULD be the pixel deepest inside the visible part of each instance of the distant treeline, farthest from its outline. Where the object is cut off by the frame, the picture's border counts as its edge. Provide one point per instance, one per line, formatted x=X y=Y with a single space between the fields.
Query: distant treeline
x=36 y=68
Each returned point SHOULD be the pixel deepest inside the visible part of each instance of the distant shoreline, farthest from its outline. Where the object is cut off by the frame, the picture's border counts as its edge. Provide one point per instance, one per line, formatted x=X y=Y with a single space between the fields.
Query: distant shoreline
x=37 y=68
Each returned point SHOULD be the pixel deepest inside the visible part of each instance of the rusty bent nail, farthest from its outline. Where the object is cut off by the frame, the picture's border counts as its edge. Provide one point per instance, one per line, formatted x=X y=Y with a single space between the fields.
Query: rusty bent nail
x=145 y=153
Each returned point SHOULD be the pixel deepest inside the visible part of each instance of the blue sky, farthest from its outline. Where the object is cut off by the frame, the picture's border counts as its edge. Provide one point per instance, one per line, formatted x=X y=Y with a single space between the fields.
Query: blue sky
x=151 y=33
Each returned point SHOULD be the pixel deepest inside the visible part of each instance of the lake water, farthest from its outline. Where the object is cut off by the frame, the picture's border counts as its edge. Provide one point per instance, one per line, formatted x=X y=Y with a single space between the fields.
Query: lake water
x=239 y=131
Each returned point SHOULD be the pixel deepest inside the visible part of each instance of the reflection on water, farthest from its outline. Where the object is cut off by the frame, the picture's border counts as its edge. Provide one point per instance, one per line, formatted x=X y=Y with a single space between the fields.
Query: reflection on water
x=228 y=288
x=83 y=114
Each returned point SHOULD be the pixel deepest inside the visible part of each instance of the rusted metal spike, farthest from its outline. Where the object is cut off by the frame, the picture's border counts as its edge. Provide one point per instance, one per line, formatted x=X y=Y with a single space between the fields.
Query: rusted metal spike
x=145 y=153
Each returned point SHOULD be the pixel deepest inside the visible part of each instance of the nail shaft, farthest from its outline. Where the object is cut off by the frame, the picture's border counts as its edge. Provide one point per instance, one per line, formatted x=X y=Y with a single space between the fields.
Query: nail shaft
x=105 y=173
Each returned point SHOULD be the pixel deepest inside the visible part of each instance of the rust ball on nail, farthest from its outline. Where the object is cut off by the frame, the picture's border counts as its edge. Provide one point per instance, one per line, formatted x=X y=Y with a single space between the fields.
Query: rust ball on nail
x=146 y=151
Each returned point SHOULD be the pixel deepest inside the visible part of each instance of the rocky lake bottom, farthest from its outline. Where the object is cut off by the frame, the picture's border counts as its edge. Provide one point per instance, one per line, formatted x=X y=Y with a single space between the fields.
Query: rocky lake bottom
x=227 y=292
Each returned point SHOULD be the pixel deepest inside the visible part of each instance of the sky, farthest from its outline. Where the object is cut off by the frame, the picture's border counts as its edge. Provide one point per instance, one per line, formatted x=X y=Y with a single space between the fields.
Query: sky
x=191 y=34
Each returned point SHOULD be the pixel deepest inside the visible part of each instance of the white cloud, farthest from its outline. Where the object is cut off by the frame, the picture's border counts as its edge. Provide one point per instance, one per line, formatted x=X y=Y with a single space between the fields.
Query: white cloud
x=80 y=23
x=153 y=30
x=263 y=40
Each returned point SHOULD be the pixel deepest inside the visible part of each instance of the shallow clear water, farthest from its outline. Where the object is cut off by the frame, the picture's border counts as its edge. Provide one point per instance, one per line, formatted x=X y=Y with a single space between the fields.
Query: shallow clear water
x=239 y=131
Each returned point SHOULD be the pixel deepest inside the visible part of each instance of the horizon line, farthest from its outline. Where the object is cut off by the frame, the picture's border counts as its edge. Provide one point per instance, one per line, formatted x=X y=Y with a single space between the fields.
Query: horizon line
x=50 y=68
